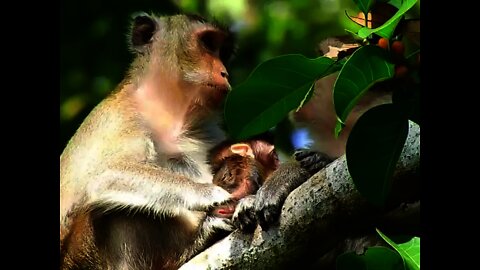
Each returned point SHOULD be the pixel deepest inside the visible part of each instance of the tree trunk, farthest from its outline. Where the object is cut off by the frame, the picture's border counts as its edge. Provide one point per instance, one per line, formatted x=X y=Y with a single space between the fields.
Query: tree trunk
x=322 y=215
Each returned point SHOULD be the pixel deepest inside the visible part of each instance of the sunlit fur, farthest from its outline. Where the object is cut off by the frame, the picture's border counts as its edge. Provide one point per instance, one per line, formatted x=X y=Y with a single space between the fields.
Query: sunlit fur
x=135 y=182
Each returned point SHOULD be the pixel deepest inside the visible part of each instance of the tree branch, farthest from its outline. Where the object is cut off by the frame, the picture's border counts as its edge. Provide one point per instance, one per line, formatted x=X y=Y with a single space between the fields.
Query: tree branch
x=316 y=217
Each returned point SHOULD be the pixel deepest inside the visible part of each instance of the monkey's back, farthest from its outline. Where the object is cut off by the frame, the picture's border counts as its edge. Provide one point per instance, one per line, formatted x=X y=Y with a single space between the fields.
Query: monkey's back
x=105 y=134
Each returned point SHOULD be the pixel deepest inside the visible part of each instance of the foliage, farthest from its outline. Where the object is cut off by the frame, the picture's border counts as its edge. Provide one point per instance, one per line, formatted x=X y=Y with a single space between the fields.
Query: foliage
x=276 y=87
x=406 y=257
x=366 y=66
x=373 y=148
x=282 y=84
x=386 y=30
x=408 y=250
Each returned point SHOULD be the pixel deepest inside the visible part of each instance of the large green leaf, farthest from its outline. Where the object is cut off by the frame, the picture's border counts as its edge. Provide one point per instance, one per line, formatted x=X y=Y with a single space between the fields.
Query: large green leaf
x=273 y=89
x=366 y=65
x=410 y=251
x=375 y=258
x=373 y=148
x=364 y=5
x=386 y=29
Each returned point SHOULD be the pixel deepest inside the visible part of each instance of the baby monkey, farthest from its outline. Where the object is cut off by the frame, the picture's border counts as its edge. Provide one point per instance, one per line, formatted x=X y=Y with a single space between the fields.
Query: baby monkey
x=241 y=169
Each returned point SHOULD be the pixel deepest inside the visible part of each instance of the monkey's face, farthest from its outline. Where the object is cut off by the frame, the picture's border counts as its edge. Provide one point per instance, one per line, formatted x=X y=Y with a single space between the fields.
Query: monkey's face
x=240 y=176
x=211 y=49
x=188 y=51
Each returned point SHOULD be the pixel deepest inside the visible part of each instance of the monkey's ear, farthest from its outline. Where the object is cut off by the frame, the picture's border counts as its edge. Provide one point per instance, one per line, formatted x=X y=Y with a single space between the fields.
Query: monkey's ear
x=143 y=28
x=242 y=149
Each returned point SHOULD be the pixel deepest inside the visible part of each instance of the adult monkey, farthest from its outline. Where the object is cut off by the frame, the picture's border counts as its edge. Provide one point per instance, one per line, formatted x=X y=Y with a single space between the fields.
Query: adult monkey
x=135 y=180
x=135 y=183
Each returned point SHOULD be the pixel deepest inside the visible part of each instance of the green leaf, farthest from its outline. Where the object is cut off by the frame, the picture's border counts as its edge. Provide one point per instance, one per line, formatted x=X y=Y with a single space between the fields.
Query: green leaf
x=409 y=251
x=364 y=5
x=373 y=149
x=375 y=258
x=386 y=29
x=273 y=89
x=395 y=3
x=366 y=65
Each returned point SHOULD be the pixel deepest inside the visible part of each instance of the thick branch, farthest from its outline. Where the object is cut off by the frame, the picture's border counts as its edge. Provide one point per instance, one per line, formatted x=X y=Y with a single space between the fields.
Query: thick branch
x=319 y=214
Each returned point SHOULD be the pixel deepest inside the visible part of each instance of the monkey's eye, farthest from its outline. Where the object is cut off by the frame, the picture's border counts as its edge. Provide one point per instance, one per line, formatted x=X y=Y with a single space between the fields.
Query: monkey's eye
x=211 y=41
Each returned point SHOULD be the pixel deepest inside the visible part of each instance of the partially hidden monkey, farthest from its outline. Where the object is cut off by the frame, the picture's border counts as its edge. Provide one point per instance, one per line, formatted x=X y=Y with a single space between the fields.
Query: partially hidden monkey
x=318 y=115
x=135 y=180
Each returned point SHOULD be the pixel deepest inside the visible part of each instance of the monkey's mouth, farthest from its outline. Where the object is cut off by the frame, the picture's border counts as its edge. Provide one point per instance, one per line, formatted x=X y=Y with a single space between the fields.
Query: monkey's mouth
x=217 y=95
x=225 y=211
x=220 y=87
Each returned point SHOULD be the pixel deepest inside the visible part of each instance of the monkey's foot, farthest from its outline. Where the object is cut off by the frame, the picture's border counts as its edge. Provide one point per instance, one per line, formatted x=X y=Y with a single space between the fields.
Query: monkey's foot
x=312 y=161
x=244 y=215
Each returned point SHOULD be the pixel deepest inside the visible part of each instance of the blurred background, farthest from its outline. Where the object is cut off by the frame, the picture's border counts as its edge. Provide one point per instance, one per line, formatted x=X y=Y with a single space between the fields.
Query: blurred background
x=95 y=56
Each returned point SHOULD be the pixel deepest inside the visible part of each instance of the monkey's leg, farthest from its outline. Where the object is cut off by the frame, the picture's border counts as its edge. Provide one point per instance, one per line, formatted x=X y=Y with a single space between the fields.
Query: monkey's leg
x=271 y=196
x=212 y=229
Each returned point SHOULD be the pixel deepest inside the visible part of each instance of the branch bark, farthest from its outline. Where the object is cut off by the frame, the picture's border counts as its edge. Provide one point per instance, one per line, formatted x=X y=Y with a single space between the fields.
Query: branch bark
x=315 y=217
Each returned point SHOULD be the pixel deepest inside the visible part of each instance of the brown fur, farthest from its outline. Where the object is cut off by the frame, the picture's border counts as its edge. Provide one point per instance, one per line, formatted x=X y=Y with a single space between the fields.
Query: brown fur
x=242 y=174
x=319 y=116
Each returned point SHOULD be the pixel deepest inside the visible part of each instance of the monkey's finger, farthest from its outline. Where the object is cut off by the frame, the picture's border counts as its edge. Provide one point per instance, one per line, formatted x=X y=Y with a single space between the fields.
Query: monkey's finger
x=226 y=225
x=267 y=216
x=220 y=196
x=311 y=155
x=246 y=222
x=242 y=219
x=244 y=215
x=302 y=153
x=311 y=166
x=211 y=197
x=314 y=161
x=217 y=223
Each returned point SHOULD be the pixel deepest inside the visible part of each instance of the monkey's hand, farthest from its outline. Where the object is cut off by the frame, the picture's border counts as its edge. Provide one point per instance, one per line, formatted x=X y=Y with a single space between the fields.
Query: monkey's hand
x=312 y=161
x=265 y=207
x=208 y=197
x=271 y=196
x=214 y=224
x=244 y=215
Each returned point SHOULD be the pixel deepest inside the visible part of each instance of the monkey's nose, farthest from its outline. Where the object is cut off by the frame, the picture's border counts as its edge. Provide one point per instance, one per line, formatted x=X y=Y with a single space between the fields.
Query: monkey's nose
x=224 y=74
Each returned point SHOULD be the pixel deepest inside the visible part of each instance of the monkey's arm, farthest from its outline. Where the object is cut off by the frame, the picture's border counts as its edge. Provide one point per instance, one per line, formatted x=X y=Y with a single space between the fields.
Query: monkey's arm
x=151 y=188
x=268 y=202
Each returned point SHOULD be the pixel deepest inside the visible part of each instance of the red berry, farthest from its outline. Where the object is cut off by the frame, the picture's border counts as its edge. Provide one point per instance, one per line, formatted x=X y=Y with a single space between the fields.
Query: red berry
x=383 y=43
x=400 y=71
x=398 y=48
